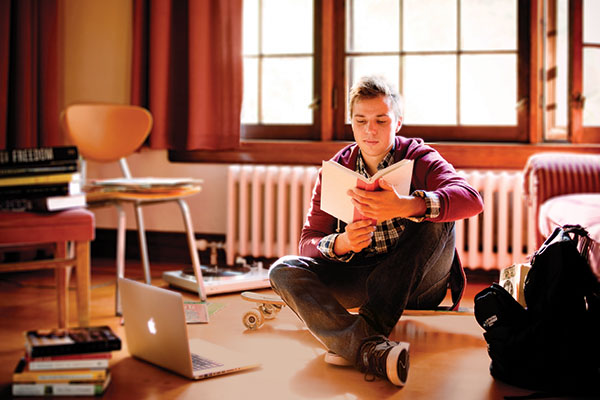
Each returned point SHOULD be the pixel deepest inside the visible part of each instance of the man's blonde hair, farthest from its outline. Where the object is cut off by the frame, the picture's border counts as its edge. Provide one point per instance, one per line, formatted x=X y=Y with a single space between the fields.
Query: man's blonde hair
x=370 y=87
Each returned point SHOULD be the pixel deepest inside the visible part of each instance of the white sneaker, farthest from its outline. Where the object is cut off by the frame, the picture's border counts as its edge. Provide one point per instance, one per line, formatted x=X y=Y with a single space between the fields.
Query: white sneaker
x=334 y=359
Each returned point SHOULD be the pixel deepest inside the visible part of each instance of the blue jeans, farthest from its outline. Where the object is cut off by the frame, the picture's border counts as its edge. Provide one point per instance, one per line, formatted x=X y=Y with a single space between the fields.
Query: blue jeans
x=413 y=275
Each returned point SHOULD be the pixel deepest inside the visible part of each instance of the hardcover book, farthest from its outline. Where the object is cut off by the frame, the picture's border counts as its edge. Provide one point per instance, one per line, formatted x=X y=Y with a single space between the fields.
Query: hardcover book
x=94 y=388
x=24 y=374
x=336 y=180
x=70 y=361
x=53 y=167
x=40 y=179
x=36 y=156
x=52 y=342
x=31 y=191
x=43 y=204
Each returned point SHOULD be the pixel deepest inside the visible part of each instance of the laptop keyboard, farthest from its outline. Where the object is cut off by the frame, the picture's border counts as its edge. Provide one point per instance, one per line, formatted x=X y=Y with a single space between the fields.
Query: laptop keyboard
x=199 y=363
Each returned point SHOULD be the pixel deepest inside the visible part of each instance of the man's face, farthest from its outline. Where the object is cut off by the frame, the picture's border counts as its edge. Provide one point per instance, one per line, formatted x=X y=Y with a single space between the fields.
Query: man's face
x=374 y=125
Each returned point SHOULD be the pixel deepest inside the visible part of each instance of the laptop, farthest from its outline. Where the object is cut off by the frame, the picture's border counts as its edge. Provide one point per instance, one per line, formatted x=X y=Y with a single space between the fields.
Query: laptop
x=156 y=332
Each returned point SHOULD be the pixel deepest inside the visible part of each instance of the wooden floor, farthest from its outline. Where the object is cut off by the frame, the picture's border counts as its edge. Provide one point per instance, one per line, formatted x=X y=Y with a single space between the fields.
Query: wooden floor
x=448 y=352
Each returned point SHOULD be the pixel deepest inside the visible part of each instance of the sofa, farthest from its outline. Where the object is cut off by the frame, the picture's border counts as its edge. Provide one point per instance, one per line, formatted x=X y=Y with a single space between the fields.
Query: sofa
x=564 y=189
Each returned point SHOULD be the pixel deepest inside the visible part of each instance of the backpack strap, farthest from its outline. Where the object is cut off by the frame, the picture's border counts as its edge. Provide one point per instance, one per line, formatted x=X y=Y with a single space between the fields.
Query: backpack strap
x=457 y=283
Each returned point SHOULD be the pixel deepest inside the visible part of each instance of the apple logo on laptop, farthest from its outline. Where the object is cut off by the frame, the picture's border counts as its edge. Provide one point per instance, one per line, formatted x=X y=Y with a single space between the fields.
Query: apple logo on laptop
x=152 y=326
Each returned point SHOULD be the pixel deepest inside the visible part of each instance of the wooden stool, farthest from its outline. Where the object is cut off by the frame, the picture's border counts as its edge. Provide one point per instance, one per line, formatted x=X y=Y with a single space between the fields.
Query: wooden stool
x=71 y=231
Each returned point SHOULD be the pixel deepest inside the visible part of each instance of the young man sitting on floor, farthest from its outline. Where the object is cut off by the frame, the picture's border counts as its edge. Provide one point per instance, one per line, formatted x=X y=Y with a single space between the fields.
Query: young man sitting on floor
x=407 y=260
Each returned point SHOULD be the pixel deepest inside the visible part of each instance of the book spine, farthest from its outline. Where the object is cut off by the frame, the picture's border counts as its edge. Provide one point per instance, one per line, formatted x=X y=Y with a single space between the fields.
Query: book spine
x=91 y=347
x=82 y=356
x=82 y=340
x=63 y=167
x=26 y=191
x=67 y=364
x=37 y=156
x=39 y=179
x=42 y=204
x=57 y=389
x=23 y=205
x=65 y=376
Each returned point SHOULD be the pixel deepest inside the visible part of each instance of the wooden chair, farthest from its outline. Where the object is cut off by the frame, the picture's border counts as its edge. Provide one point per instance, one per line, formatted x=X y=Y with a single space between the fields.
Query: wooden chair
x=109 y=133
x=71 y=231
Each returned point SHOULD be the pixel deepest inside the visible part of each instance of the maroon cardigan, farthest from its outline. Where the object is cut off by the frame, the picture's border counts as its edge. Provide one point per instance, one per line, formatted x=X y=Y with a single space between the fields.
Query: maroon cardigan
x=431 y=173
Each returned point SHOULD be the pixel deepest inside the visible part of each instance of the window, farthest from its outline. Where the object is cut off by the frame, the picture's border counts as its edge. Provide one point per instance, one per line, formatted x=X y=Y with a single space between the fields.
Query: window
x=278 y=56
x=572 y=85
x=458 y=64
x=455 y=62
x=591 y=60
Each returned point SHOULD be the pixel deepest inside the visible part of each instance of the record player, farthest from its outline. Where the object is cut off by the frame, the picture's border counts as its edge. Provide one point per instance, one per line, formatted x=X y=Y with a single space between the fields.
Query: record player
x=221 y=279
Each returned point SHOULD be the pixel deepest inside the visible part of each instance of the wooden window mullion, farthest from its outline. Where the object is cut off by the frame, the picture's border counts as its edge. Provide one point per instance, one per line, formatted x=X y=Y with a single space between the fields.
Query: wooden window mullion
x=576 y=71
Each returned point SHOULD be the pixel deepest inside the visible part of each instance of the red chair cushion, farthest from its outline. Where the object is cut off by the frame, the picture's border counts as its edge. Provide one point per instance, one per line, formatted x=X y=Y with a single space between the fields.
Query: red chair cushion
x=17 y=228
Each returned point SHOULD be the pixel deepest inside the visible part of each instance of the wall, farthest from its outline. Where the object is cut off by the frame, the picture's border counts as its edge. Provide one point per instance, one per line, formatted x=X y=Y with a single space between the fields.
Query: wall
x=96 y=36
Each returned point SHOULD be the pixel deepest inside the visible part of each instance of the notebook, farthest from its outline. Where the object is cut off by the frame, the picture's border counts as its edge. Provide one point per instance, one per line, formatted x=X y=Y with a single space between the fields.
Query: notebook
x=156 y=332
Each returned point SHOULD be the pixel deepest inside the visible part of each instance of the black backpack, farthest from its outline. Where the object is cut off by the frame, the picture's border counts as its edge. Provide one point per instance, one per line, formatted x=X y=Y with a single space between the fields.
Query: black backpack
x=553 y=345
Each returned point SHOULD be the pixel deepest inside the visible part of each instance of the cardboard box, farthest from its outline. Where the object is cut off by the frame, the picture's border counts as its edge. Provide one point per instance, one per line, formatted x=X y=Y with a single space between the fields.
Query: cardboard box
x=513 y=280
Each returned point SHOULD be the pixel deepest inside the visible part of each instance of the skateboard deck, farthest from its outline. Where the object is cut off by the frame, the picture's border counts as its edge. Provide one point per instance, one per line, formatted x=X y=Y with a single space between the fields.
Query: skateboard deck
x=267 y=307
x=460 y=311
x=262 y=298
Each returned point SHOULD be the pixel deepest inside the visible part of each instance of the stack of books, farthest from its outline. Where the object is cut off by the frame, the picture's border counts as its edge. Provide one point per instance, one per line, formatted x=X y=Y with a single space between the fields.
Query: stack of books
x=65 y=362
x=40 y=179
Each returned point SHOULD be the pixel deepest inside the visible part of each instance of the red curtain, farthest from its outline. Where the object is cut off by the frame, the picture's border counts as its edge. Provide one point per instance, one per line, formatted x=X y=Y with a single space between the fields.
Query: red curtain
x=29 y=78
x=187 y=70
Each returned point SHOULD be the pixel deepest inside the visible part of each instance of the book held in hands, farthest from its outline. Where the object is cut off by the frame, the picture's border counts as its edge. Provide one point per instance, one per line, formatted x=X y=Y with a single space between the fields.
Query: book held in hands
x=336 y=180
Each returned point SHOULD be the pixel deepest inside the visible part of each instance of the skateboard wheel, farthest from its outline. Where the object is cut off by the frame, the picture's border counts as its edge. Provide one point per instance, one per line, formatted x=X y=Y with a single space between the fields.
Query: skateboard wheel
x=253 y=319
x=269 y=311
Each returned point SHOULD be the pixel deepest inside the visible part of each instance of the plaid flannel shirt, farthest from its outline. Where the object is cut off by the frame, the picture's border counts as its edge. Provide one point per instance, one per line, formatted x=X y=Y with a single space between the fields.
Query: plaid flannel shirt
x=387 y=232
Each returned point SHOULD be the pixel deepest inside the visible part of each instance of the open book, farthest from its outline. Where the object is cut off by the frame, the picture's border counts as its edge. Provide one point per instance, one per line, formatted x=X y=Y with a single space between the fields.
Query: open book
x=337 y=180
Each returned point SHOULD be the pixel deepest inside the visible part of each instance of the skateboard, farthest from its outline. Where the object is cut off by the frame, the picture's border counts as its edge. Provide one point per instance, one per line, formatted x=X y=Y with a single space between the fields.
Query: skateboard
x=267 y=307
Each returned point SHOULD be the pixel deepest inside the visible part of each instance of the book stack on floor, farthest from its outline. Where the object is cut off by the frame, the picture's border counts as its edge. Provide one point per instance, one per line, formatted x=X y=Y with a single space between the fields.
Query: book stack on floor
x=66 y=362
x=40 y=179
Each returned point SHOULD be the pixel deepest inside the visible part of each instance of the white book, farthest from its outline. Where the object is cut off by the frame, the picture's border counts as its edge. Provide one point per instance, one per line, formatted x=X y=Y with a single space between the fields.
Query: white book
x=60 y=389
x=336 y=180
x=56 y=203
x=68 y=364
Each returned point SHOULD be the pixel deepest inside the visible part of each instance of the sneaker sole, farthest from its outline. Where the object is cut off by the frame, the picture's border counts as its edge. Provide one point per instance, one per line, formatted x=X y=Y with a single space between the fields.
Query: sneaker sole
x=397 y=364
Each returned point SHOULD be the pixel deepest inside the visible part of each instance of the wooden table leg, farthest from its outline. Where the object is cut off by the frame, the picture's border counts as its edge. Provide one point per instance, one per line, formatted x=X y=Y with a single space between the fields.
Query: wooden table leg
x=61 y=275
x=82 y=255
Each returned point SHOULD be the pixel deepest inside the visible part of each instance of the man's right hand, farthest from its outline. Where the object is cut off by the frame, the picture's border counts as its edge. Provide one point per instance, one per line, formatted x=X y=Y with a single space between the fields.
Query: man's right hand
x=358 y=235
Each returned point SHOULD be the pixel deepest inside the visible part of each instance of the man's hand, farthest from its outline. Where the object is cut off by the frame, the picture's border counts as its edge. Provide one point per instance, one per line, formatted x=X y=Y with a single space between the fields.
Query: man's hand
x=357 y=236
x=386 y=204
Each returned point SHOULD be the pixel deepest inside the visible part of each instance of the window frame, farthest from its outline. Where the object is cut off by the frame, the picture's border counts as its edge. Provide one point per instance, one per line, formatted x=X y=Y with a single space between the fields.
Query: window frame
x=330 y=61
x=467 y=133
x=577 y=132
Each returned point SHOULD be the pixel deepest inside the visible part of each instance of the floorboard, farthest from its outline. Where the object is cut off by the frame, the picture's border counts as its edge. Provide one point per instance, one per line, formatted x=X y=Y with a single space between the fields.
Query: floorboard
x=448 y=352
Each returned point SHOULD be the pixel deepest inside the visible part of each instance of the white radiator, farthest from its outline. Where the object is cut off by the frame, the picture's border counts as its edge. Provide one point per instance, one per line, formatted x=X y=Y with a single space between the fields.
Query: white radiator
x=267 y=206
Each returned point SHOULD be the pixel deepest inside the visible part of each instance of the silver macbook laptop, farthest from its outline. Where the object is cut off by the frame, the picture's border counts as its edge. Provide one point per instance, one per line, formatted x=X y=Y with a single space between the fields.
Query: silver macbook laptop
x=156 y=332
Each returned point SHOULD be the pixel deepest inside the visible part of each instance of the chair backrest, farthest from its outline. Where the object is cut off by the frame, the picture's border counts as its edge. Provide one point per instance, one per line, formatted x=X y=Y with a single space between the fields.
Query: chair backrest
x=106 y=132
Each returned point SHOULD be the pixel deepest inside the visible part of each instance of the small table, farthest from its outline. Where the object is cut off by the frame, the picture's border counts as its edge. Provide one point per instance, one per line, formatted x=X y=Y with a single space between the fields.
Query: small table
x=71 y=231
